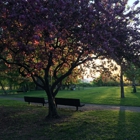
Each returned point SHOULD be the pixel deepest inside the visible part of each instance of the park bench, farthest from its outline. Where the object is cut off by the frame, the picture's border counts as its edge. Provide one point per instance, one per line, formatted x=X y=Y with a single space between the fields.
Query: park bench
x=19 y=91
x=68 y=101
x=34 y=100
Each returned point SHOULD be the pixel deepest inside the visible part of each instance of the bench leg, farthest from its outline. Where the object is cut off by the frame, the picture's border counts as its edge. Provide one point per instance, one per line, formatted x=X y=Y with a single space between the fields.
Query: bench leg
x=76 y=108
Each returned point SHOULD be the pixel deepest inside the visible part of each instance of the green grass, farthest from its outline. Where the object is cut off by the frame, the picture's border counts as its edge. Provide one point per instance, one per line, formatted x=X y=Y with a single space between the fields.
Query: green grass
x=19 y=121
x=105 y=95
x=96 y=95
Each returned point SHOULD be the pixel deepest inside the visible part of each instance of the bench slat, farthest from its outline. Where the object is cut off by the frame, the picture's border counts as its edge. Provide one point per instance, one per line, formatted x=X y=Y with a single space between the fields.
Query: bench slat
x=68 y=101
x=34 y=99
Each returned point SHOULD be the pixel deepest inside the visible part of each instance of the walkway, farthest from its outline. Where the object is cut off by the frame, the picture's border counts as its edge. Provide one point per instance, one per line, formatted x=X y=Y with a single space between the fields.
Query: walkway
x=90 y=106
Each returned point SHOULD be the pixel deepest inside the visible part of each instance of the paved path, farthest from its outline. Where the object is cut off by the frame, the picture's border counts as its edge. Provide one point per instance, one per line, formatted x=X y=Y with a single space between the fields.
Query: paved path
x=90 y=106
x=111 y=107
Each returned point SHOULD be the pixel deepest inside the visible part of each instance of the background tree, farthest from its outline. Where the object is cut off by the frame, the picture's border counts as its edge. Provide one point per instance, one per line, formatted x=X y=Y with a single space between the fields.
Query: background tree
x=11 y=80
x=3 y=69
x=125 y=30
x=132 y=73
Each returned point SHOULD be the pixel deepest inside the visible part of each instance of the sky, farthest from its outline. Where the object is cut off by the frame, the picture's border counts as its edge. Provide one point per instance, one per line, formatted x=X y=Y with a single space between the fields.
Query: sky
x=130 y=2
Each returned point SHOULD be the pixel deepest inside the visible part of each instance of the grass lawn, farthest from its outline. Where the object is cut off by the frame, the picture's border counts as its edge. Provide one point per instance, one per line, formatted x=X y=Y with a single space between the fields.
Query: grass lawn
x=19 y=121
x=96 y=95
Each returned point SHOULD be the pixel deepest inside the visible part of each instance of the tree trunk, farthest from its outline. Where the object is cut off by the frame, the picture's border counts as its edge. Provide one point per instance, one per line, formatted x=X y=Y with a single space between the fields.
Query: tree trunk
x=10 y=86
x=121 y=83
x=3 y=88
x=52 y=113
x=134 y=86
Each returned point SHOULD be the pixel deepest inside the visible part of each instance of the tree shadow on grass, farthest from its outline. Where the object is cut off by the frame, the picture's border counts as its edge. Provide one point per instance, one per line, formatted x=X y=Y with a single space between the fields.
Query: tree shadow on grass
x=128 y=125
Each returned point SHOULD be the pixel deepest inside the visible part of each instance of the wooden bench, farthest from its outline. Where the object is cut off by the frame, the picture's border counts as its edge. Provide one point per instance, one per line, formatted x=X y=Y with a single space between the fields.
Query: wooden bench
x=34 y=100
x=19 y=91
x=68 y=101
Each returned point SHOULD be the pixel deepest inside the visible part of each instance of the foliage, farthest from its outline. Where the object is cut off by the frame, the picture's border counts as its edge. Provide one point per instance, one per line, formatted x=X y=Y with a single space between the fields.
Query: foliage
x=11 y=79
x=132 y=72
x=84 y=84
x=106 y=79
